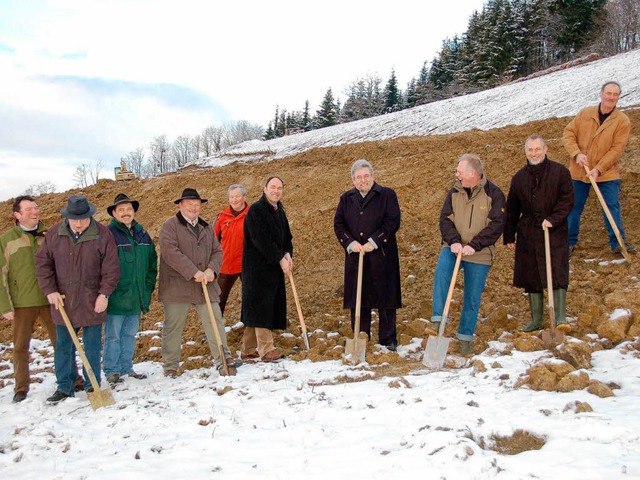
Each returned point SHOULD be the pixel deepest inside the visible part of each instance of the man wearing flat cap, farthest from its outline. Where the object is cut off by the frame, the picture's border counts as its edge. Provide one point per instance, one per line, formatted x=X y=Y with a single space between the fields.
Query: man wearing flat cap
x=138 y=271
x=190 y=255
x=78 y=259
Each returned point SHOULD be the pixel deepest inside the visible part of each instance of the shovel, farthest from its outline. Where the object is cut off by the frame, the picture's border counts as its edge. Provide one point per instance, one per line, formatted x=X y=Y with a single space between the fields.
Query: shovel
x=551 y=337
x=437 y=347
x=355 y=347
x=225 y=369
x=98 y=398
x=607 y=212
x=305 y=335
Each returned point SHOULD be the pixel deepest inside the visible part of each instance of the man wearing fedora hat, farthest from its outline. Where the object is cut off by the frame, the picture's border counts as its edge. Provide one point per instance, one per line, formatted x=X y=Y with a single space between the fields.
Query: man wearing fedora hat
x=138 y=271
x=190 y=255
x=78 y=259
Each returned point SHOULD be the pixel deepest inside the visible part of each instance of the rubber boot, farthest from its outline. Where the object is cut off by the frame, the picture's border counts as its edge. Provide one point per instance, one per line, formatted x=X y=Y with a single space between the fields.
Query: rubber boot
x=536 y=307
x=560 y=309
x=465 y=348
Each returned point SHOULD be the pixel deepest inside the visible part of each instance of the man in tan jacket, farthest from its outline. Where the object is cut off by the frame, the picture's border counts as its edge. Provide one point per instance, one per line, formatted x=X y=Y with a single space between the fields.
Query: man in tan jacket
x=596 y=138
x=190 y=255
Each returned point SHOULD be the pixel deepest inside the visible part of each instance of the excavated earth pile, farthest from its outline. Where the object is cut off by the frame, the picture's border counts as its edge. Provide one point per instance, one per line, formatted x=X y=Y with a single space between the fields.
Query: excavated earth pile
x=421 y=170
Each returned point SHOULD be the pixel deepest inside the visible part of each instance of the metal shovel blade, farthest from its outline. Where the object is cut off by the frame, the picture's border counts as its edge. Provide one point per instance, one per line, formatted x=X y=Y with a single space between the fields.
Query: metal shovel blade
x=355 y=349
x=101 y=398
x=305 y=337
x=552 y=338
x=436 y=351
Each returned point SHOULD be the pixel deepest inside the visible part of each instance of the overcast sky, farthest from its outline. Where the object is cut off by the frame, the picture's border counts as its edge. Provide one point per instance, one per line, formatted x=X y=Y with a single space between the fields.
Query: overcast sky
x=82 y=80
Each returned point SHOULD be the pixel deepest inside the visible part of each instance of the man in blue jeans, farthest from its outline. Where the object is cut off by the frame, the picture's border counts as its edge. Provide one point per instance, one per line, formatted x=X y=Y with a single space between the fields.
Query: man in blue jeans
x=78 y=259
x=138 y=271
x=595 y=138
x=471 y=221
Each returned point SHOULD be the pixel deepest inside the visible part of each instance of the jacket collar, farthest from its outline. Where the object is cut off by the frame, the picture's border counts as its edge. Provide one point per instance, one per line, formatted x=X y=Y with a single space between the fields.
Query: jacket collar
x=184 y=222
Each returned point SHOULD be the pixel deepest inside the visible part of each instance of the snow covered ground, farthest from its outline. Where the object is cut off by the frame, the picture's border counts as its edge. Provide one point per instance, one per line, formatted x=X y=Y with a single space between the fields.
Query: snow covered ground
x=558 y=94
x=304 y=420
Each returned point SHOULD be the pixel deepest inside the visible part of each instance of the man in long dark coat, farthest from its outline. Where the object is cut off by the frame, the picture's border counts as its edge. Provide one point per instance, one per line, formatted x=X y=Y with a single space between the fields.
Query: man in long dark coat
x=367 y=218
x=266 y=259
x=541 y=194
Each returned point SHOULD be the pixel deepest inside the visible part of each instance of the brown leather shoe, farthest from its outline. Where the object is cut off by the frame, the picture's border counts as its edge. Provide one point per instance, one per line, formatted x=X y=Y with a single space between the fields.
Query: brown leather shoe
x=272 y=356
x=251 y=356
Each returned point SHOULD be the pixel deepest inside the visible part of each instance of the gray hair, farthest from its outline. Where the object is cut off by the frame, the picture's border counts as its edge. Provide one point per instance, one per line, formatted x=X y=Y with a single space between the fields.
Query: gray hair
x=611 y=82
x=473 y=162
x=234 y=186
x=360 y=164
x=533 y=138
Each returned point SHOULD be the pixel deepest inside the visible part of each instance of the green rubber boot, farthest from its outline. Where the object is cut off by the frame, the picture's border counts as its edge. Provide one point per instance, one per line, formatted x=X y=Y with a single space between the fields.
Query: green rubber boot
x=536 y=307
x=465 y=348
x=560 y=309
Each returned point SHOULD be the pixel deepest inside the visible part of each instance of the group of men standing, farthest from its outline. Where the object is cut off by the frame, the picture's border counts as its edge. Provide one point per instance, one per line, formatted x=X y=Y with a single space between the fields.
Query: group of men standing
x=106 y=274
x=543 y=195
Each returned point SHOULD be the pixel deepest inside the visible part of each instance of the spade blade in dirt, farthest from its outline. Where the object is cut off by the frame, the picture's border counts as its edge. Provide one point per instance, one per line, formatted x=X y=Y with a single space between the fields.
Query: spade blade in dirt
x=355 y=348
x=551 y=338
x=436 y=351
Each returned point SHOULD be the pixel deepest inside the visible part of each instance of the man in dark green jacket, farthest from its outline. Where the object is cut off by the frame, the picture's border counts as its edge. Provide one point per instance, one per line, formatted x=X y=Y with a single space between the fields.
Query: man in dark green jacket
x=138 y=271
x=21 y=300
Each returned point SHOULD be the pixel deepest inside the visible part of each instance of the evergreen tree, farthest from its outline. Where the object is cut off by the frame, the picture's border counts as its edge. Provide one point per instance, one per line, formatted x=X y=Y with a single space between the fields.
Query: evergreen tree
x=306 y=119
x=578 y=23
x=392 y=94
x=269 y=133
x=326 y=114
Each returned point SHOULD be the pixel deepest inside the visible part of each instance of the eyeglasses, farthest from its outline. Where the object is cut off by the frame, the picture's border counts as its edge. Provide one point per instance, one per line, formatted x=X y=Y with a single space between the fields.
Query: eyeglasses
x=360 y=178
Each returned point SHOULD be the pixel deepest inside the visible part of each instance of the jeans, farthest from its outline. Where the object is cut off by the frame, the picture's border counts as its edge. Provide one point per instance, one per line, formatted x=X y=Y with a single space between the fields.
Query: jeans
x=475 y=276
x=120 y=343
x=611 y=194
x=65 y=356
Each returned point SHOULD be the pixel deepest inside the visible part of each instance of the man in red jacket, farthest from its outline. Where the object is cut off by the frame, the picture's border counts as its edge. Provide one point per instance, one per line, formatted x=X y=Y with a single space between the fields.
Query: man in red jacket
x=229 y=230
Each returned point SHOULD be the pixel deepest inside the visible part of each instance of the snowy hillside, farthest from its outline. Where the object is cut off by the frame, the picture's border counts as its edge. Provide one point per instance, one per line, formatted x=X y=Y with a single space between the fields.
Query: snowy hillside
x=558 y=94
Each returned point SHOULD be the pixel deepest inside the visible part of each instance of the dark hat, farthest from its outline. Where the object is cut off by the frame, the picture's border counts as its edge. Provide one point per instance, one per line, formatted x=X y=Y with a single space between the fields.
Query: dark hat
x=78 y=207
x=122 y=198
x=190 y=194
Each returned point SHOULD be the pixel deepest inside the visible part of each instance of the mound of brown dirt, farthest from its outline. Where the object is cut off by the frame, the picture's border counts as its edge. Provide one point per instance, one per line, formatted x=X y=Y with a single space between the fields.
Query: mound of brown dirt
x=421 y=170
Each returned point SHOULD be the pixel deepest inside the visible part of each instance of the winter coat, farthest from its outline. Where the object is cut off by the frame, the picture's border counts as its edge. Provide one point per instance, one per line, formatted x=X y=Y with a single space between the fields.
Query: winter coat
x=18 y=285
x=539 y=192
x=80 y=271
x=378 y=218
x=267 y=238
x=602 y=144
x=138 y=269
x=182 y=255
x=229 y=230
x=476 y=220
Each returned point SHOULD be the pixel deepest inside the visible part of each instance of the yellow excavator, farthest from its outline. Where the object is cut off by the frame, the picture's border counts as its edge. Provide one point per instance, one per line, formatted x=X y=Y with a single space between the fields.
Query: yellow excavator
x=122 y=173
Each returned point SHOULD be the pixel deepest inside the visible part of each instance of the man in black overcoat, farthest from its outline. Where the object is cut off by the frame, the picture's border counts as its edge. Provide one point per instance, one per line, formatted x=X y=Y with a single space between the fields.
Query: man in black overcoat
x=367 y=218
x=541 y=194
x=266 y=259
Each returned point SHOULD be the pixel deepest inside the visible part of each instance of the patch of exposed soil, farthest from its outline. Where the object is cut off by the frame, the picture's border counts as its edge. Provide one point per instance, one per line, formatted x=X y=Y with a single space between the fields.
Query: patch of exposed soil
x=421 y=170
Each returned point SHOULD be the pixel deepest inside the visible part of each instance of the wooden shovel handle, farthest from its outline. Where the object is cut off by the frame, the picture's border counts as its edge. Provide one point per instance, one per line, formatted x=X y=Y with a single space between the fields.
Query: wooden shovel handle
x=76 y=342
x=356 y=326
x=214 y=325
x=607 y=212
x=298 y=308
x=547 y=256
x=452 y=284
